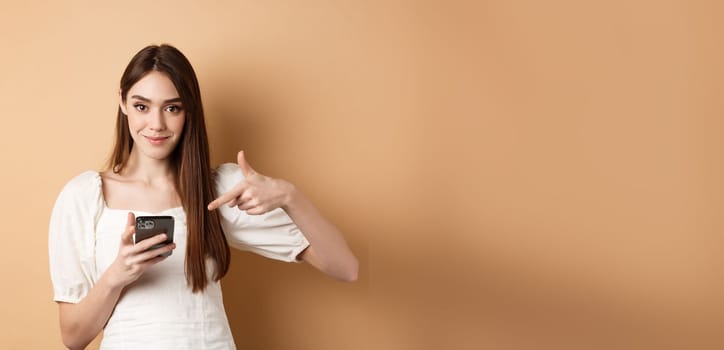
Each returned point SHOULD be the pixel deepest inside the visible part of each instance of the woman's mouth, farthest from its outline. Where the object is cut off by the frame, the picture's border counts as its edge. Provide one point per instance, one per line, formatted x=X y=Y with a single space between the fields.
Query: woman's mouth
x=156 y=140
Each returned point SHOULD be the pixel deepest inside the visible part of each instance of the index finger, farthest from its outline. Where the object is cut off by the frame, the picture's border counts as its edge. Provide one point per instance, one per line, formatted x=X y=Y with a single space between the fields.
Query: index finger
x=127 y=236
x=226 y=197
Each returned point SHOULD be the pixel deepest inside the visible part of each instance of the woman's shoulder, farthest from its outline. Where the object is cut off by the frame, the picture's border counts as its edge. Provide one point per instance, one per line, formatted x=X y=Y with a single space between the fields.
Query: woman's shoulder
x=84 y=184
x=226 y=176
x=228 y=171
x=83 y=179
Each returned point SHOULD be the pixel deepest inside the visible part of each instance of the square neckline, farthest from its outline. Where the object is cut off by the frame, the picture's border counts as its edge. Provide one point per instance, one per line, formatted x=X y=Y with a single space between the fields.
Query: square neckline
x=125 y=210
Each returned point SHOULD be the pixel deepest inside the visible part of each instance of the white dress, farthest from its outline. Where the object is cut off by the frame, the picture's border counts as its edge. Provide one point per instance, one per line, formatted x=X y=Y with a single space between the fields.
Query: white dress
x=158 y=311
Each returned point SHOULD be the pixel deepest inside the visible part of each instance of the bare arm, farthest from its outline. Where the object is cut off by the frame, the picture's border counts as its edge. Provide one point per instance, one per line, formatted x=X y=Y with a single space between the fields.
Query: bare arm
x=327 y=251
x=81 y=322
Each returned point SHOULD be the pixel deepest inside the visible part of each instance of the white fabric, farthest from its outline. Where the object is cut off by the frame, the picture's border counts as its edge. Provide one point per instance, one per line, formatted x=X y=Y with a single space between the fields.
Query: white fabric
x=158 y=311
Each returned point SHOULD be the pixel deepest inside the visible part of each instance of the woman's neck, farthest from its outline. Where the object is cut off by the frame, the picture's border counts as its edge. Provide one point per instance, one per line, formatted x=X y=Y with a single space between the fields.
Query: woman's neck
x=147 y=170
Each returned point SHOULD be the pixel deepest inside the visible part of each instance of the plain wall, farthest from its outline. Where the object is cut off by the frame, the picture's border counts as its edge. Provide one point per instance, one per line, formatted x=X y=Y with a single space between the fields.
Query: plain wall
x=511 y=174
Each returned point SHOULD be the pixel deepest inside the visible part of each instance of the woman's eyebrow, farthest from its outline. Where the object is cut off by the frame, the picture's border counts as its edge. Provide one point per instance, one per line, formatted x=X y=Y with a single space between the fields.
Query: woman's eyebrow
x=145 y=99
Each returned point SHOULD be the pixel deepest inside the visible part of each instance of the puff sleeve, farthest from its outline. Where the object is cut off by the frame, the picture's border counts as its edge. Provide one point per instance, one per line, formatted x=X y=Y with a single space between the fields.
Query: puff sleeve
x=71 y=242
x=273 y=235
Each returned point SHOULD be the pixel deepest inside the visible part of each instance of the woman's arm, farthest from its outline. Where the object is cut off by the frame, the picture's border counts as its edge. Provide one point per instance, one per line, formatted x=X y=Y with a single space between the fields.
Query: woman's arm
x=258 y=194
x=81 y=322
x=327 y=249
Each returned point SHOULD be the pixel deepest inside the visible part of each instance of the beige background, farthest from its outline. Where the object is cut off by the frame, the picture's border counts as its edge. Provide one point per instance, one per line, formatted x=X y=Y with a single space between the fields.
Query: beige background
x=512 y=174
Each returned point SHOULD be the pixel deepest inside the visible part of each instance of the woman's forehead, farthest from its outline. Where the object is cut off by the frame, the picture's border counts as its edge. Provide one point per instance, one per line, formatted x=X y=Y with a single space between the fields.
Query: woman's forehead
x=154 y=86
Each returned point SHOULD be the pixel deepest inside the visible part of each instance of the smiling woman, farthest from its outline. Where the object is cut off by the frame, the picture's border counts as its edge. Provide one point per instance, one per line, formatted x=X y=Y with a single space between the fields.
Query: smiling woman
x=155 y=115
x=140 y=295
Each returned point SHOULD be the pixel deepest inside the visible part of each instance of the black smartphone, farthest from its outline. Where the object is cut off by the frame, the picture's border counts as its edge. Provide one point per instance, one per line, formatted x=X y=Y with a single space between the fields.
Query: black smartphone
x=149 y=226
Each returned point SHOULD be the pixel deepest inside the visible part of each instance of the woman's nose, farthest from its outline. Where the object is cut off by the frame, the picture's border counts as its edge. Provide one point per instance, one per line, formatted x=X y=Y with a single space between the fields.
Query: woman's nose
x=157 y=121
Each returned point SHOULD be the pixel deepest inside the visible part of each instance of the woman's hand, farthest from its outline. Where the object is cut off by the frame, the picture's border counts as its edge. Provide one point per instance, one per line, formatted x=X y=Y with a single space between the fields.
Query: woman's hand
x=256 y=194
x=132 y=260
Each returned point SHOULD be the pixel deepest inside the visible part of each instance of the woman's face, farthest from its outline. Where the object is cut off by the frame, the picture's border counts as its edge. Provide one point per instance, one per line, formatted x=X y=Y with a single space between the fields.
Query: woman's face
x=155 y=115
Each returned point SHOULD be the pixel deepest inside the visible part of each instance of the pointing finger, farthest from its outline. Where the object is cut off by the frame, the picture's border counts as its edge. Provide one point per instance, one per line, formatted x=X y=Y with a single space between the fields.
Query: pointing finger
x=227 y=197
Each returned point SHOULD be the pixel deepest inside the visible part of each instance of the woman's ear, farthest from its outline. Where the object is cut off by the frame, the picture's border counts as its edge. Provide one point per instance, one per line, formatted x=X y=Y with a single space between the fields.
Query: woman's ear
x=120 y=102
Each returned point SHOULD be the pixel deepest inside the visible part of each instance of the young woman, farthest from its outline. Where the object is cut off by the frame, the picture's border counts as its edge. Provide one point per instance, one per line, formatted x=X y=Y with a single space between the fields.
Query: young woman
x=160 y=166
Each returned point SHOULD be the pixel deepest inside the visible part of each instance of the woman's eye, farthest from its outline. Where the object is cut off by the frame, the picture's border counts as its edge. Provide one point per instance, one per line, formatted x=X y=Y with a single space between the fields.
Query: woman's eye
x=173 y=109
x=140 y=107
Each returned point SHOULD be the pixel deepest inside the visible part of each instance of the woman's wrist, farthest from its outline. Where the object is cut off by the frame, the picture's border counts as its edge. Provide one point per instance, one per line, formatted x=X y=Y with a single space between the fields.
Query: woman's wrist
x=111 y=283
x=290 y=195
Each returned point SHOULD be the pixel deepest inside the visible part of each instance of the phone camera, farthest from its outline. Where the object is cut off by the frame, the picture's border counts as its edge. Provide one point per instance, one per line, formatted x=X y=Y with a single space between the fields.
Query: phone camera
x=147 y=224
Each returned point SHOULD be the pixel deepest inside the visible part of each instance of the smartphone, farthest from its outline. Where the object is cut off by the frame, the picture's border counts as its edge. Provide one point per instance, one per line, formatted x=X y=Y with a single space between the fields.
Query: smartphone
x=149 y=226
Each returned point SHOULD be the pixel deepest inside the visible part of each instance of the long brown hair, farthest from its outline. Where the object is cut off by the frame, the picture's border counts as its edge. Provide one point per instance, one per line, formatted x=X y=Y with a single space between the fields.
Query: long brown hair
x=190 y=160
